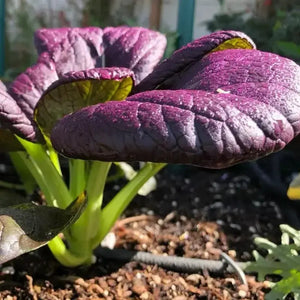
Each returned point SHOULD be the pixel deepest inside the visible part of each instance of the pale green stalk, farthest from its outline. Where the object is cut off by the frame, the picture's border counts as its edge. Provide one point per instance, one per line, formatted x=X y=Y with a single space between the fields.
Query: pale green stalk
x=85 y=228
x=46 y=174
x=63 y=255
x=113 y=210
x=25 y=175
x=77 y=181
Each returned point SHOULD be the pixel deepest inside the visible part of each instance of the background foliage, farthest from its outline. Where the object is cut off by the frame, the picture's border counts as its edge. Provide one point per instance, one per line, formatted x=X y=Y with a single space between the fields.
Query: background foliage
x=274 y=26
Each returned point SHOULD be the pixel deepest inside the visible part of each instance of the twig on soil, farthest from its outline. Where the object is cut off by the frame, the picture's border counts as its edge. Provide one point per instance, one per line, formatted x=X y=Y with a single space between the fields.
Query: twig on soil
x=139 y=218
x=175 y=263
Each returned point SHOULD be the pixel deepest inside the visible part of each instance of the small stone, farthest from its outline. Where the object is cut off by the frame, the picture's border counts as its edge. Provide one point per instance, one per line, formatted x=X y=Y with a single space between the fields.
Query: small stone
x=226 y=294
x=217 y=205
x=9 y=270
x=220 y=222
x=135 y=225
x=180 y=298
x=111 y=282
x=109 y=240
x=232 y=253
x=37 y=289
x=236 y=227
x=169 y=217
x=242 y=294
x=256 y=203
x=230 y=280
x=205 y=254
x=243 y=287
x=138 y=287
x=209 y=245
x=252 y=229
x=144 y=296
x=166 y=280
x=80 y=281
x=194 y=279
x=160 y=222
x=156 y=279
x=172 y=244
x=217 y=197
x=196 y=200
x=183 y=218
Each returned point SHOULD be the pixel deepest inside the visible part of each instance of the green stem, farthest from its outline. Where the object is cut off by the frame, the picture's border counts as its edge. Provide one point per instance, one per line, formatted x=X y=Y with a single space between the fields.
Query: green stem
x=63 y=255
x=77 y=181
x=54 y=159
x=47 y=175
x=24 y=173
x=85 y=228
x=112 y=211
x=39 y=177
x=12 y=186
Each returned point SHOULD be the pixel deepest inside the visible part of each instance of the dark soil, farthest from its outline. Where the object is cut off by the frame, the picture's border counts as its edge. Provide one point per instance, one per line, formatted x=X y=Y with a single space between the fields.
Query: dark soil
x=192 y=213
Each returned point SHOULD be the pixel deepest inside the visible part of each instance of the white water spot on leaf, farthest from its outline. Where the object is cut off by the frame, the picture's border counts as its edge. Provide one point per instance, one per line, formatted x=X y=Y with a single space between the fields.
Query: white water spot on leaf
x=220 y=91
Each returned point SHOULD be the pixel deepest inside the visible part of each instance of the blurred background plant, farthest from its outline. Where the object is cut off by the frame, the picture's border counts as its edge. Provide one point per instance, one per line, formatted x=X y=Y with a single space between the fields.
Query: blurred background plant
x=23 y=17
x=274 y=25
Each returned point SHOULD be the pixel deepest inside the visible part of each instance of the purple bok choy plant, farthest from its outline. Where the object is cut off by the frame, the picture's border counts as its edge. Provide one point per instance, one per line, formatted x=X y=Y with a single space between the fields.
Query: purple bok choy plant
x=215 y=102
x=77 y=67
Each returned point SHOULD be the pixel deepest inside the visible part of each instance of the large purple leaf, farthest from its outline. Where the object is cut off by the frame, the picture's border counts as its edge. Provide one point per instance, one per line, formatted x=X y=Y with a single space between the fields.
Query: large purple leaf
x=135 y=48
x=72 y=49
x=63 y=50
x=266 y=77
x=212 y=128
x=192 y=53
x=25 y=91
x=11 y=115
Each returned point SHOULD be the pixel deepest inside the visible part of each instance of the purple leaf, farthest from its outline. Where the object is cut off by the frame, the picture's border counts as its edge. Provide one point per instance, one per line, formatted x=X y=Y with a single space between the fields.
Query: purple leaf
x=11 y=115
x=191 y=54
x=63 y=50
x=135 y=48
x=48 y=39
x=213 y=127
x=71 y=49
x=259 y=75
x=26 y=90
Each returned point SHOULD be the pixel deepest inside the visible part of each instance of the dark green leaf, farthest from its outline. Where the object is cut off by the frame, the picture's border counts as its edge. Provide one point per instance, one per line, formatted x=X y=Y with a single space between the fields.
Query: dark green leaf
x=289 y=49
x=25 y=227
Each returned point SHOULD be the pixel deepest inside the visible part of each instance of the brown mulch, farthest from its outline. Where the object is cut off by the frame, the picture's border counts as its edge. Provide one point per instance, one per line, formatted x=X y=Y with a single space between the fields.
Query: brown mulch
x=192 y=213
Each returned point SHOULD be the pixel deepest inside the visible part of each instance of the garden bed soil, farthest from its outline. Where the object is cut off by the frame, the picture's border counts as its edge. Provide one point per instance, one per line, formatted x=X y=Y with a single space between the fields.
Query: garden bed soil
x=192 y=213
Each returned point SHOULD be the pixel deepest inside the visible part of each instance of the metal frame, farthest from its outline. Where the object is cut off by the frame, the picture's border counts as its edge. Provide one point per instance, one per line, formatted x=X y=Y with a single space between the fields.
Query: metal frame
x=2 y=37
x=185 y=21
